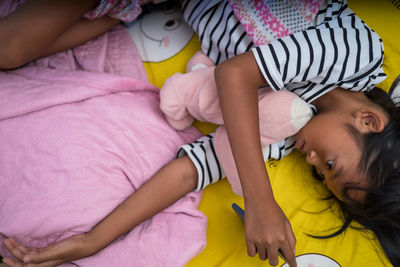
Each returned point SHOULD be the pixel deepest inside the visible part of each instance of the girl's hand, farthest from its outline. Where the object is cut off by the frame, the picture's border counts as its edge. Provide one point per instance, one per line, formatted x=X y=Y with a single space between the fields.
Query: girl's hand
x=66 y=250
x=267 y=231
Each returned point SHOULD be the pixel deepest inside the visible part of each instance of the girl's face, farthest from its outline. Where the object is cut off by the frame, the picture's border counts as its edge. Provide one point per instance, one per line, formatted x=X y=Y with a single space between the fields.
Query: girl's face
x=332 y=150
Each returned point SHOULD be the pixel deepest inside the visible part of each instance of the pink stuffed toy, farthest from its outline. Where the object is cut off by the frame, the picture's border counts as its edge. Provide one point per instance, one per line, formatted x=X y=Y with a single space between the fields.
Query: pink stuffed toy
x=190 y=96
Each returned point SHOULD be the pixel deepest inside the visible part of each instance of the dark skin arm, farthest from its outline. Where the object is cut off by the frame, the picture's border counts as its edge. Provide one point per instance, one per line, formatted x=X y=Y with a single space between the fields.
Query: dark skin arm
x=42 y=27
x=267 y=228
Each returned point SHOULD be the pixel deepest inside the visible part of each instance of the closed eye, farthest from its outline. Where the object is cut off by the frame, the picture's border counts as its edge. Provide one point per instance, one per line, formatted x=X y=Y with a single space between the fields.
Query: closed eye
x=317 y=175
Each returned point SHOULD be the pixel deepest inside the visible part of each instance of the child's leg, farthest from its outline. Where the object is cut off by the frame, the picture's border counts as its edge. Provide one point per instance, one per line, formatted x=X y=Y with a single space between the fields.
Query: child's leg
x=37 y=28
x=81 y=32
x=169 y=184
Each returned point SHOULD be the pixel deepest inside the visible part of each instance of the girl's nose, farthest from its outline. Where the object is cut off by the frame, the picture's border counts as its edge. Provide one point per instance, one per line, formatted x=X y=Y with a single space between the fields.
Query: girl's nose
x=312 y=158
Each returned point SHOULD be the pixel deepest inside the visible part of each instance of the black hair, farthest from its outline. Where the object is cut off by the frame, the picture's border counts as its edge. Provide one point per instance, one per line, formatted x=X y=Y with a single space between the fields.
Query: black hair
x=380 y=162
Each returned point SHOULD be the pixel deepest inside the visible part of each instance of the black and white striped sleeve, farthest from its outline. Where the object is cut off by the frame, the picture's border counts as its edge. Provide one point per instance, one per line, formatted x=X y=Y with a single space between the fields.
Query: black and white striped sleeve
x=278 y=149
x=341 y=52
x=220 y=33
x=204 y=158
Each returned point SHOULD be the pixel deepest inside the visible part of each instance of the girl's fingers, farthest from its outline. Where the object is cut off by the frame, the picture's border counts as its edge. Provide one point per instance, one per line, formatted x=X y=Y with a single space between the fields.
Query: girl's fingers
x=9 y=244
x=22 y=253
x=292 y=238
x=45 y=264
x=52 y=256
x=16 y=252
x=289 y=254
x=32 y=250
x=251 y=249
x=262 y=253
x=23 y=249
x=11 y=263
x=15 y=245
x=273 y=256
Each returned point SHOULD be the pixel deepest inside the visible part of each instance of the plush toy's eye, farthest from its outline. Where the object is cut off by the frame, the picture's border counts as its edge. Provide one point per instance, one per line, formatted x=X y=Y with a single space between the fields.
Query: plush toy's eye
x=171 y=24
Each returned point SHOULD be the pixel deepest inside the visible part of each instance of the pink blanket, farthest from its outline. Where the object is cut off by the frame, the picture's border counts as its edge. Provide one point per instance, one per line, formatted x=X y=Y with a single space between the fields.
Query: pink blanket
x=75 y=143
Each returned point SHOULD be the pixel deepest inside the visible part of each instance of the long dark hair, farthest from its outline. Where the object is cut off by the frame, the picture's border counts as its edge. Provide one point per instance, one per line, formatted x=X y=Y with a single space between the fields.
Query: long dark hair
x=380 y=161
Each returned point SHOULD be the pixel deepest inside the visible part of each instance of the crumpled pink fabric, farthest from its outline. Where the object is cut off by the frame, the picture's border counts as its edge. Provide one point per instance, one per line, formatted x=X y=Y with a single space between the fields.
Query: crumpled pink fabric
x=113 y=52
x=81 y=131
x=193 y=95
x=76 y=144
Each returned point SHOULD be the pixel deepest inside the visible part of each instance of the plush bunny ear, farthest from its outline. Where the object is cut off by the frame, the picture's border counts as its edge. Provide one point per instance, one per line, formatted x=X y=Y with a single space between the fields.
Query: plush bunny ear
x=394 y=91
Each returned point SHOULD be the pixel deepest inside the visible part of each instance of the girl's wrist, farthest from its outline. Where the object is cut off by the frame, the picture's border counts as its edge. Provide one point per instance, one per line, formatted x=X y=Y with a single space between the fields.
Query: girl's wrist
x=259 y=199
x=89 y=244
x=257 y=194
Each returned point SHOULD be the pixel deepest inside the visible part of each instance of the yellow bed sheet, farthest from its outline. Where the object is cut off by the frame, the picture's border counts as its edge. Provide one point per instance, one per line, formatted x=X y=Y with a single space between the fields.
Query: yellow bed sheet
x=297 y=192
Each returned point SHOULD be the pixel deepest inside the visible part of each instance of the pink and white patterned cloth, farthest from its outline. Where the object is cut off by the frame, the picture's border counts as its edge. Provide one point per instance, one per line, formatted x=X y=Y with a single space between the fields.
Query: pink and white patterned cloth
x=267 y=20
x=125 y=10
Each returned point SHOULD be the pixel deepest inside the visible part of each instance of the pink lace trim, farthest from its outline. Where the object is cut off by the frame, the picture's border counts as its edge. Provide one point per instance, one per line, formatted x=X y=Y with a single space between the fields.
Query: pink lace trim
x=261 y=23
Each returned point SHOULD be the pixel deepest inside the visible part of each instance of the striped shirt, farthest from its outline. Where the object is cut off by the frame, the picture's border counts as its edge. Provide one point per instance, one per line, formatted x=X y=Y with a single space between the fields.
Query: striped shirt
x=202 y=153
x=220 y=32
x=339 y=51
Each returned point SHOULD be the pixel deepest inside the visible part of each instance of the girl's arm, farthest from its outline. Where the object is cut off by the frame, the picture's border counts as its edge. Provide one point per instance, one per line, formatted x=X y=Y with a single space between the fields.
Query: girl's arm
x=42 y=27
x=267 y=228
x=172 y=182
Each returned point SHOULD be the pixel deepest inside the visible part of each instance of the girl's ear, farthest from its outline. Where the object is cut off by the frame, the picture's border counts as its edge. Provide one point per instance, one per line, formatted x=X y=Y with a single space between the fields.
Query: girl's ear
x=370 y=120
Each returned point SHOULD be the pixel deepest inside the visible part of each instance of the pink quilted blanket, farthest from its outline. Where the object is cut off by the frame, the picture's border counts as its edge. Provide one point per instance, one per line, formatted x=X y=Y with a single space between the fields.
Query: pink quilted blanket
x=75 y=143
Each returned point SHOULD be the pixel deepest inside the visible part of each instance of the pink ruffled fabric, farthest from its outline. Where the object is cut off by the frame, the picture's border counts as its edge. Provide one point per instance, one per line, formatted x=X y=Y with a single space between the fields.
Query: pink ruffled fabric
x=125 y=10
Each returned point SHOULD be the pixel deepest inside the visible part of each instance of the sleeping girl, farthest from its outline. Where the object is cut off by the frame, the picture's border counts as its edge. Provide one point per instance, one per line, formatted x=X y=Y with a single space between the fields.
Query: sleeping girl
x=333 y=63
